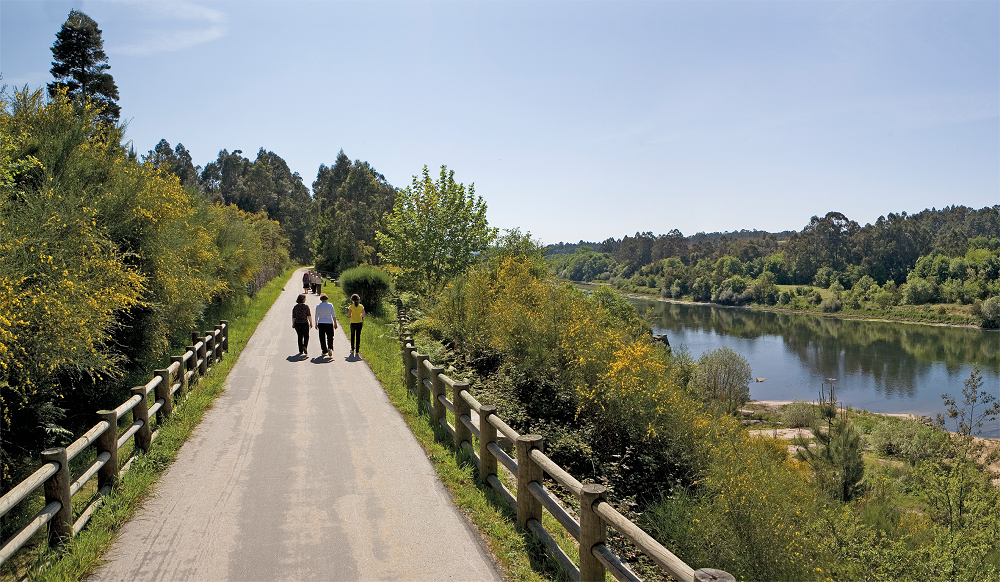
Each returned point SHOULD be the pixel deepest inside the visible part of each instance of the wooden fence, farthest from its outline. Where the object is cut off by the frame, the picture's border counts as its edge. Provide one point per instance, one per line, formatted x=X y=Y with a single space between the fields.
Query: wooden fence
x=54 y=475
x=432 y=388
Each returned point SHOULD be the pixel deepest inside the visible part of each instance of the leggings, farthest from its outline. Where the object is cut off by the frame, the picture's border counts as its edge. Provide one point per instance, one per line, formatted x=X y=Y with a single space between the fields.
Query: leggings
x=356 y=337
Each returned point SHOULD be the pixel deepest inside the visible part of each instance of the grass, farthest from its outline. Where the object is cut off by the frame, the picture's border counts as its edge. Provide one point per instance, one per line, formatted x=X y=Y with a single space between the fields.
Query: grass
x=518 y=553
x=83 y=553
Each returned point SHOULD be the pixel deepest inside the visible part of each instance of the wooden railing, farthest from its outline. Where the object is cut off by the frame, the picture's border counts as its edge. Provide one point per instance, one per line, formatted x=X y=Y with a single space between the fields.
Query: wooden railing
x=432 y=388
x=54 y=475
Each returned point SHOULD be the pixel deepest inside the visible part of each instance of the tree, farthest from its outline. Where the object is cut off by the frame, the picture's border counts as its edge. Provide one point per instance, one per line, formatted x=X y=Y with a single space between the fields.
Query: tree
x=836 y=457
x=351 y=201
x=723 y=379
x=435 y=231
x=80 y=66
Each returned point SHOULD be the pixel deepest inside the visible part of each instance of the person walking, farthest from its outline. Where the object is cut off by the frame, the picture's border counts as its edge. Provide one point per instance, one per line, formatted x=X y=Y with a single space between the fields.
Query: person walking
x=319 y=282
x=306 y=281
x=356 y=312
x=326 y=322
x=302 y=323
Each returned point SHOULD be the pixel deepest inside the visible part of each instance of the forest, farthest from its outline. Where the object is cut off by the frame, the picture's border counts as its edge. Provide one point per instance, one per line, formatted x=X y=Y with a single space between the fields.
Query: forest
x=947 y=257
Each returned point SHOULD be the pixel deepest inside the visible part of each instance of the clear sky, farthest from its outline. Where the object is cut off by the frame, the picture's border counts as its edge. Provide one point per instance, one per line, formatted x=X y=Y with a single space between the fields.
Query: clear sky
x=575 y=120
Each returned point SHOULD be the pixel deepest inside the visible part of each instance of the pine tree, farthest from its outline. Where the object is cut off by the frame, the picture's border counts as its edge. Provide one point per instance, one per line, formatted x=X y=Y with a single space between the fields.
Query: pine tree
x=80 y=65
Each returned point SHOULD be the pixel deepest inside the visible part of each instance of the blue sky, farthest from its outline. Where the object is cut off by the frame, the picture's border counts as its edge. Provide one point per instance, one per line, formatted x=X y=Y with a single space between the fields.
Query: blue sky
x=575 y=120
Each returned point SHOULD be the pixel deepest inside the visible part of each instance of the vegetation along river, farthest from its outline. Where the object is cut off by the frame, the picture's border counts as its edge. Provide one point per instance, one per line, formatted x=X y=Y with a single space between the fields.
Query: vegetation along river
x=878 y=366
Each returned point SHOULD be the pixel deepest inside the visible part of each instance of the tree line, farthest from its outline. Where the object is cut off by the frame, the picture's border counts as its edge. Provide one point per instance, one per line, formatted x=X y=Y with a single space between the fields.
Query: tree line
x=951 y=255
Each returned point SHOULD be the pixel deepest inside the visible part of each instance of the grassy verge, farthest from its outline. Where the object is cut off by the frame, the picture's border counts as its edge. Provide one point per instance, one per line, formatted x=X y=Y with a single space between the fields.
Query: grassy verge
x=518 y=553
x=82 y=555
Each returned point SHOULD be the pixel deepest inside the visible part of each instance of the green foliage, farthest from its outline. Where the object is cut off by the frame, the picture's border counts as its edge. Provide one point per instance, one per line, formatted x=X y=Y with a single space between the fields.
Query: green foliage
x=799 y=414
x=836 y=457
x=266 y=184
x=351 y=201
x=722 y=379
x=436 y=231
x=115 y=251
x=175 y=161
x=901 y=259
x=371 y=284
x=79 y=66
x=990 y=313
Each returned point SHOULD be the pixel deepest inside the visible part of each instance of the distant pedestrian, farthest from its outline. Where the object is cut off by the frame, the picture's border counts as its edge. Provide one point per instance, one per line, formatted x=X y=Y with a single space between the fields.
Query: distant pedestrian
x=306 y=281
x=302 y=323
x=356 y=312
x=326 y=322
x=319 y=283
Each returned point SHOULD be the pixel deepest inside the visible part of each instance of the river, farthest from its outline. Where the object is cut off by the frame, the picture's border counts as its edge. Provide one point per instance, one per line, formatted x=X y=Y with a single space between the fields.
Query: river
x=878 y=366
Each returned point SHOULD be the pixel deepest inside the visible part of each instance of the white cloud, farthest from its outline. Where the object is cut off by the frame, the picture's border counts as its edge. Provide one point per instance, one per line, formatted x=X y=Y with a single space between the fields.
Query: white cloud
x=176 y=26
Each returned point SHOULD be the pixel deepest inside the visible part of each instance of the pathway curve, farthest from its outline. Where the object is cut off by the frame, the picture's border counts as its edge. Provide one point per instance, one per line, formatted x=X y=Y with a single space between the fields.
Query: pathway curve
x=303 y=470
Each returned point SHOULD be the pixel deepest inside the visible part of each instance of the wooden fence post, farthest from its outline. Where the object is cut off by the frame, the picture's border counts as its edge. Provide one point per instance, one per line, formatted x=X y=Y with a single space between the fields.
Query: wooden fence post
x=144 y=437
x=210 y=347
x=108 y=474
x=225 y=335
x=409 y=350
x=163 y=392
x=527 y=471
x=57 y=489
x=181 y=368
x=194 y=338
x=487 y=435
x=203 y=356
x=422 y=392
x=593 y=531
x=192 y=365
x=462 y=408
x=219 y=341
x=437 y=389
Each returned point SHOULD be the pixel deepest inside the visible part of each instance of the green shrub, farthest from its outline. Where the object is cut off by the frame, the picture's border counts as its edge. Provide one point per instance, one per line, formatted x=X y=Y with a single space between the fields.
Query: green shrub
x=370 y=283
x=887 y=438
x=798 y=414
x=924 y=443
x=990 y=312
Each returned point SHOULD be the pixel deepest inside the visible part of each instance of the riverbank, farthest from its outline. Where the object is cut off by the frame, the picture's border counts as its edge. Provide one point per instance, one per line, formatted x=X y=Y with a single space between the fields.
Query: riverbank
x=912 y=316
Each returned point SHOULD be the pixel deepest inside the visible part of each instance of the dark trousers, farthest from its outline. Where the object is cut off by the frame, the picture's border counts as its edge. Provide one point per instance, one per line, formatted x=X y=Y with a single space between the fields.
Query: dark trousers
x=325 y=336
x=302 y=329
x=356 y=337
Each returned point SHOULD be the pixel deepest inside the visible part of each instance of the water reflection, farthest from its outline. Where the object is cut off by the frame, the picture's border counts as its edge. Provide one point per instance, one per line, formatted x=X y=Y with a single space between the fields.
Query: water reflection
x=879 y=366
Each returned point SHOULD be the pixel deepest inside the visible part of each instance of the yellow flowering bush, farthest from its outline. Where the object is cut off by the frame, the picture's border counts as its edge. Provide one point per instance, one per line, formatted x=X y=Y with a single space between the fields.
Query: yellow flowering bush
x=102 y=261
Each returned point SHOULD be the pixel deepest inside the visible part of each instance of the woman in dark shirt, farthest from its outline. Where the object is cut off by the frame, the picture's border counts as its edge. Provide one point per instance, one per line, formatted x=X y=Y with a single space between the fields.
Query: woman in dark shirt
x=302 y=323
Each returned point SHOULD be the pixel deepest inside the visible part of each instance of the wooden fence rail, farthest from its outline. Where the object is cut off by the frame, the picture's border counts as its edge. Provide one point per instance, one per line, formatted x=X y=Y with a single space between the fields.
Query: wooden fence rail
x=431 y=387
x=183 y=372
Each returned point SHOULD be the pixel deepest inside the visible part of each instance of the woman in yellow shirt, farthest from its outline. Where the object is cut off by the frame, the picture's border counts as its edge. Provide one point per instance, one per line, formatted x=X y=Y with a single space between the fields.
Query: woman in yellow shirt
x=356 y=312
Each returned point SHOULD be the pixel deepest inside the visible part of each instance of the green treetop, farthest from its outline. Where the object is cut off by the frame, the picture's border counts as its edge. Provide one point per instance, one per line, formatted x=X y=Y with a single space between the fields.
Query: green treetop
x=80 y=65
x=435 y=231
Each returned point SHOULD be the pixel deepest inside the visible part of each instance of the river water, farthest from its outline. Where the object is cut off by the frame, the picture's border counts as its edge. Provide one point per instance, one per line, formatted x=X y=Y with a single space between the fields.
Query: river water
x=878 y=366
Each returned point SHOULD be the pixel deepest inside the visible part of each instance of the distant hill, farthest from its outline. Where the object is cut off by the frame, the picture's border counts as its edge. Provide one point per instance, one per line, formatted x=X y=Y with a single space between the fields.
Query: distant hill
x=701 y=237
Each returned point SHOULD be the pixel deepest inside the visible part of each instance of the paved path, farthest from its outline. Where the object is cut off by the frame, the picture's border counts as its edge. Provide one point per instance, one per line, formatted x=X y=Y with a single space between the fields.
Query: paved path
x=302 y=470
